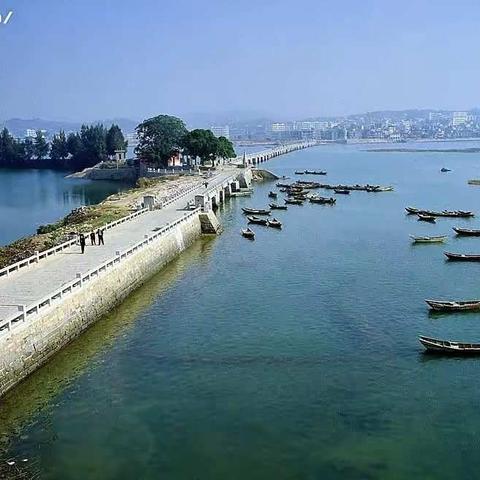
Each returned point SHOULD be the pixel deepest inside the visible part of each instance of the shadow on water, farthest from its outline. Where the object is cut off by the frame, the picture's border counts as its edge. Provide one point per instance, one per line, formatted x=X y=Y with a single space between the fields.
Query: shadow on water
x=37 y=393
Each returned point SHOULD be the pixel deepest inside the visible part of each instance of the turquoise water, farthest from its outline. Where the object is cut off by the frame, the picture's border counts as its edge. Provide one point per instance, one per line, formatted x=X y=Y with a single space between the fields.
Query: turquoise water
x=291 y=357
x=29 y=198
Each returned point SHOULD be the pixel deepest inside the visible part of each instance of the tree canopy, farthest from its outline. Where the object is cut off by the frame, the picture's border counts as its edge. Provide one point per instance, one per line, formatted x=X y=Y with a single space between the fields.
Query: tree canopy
x=159 y=138
x=115 y=140
x=201 y=143
x=73 y=152
x=225 y=148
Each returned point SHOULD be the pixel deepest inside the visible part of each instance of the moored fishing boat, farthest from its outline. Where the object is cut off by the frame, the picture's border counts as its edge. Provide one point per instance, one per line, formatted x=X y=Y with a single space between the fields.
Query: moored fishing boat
x=315 y=172
x=323 y=200
x=436 y=345
x=426 y=218
x=467 y=232
x=462 y=257
x=247 y=233
x=453 y=306
x=274 y=206
x=341 y=191
x=272 y=194
x=412 y=210
x=293 y=201
x=257 y=220
x=255 y=211
x=450 y=213
x=299 y=173
x=274 y=223
x=435 y=239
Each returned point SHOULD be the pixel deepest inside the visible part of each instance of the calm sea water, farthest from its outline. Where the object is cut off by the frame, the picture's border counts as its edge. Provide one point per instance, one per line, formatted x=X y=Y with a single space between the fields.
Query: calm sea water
x=29 y=198
x=291 y=357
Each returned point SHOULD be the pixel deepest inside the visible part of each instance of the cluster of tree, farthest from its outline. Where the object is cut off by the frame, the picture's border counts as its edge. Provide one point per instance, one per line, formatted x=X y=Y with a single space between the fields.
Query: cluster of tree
x=161 y=137
x=75 y=151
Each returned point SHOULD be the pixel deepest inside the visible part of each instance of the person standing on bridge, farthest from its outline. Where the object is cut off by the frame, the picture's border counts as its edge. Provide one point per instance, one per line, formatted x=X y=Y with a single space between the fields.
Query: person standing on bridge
x=100 y=236
x=82 y=242
x=92 y=237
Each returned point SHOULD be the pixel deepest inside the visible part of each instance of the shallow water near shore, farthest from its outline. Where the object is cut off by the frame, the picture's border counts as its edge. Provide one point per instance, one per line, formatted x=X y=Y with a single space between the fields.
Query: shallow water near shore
x=291 y=357
x=29 y=198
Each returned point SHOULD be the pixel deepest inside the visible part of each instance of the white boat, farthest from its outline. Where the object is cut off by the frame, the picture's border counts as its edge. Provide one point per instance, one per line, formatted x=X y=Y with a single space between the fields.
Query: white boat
x=437 y=239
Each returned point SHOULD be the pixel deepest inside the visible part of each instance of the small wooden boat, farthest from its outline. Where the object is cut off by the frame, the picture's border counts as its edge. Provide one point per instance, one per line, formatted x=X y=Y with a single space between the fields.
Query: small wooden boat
x=255 y=211
x=450 y=213
x=247 y=233
x=467 y=232
x=426 y=218
x=437 y=239
x=443 y=170
x=341 y=191
x=257 y=220
x=323 y=200
x=453 y=306
x=293 y=201
x=412 y=210
x=299 y=173
x=272 y=195
x=274 y=223
x=435 y=345
x=274 y=206
x=315 y=172
x=462 y=257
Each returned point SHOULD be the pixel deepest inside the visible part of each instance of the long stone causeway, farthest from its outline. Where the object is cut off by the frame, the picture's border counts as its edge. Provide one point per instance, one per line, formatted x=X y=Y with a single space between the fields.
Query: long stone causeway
x=50 y=298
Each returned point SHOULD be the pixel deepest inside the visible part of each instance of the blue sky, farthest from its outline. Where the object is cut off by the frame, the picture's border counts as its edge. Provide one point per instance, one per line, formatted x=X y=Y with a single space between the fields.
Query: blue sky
x=92 y=59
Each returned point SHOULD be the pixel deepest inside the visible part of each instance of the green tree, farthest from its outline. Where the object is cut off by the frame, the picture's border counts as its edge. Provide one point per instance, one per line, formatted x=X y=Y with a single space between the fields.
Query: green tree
x=90 y=147
x=59 y=149
x=225 y=148
x=74 y=144
x=8 y=149
x=29 y=150
x=40 y=146
x=115 y=140
x=201 y=143
x=158 y=138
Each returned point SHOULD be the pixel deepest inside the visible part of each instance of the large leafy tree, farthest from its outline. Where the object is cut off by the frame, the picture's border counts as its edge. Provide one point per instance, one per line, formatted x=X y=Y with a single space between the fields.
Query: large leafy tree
x=115 y=140
x=201 y=143
x=159 y=138
x=59 y=149
x=41 y=147
x=225 y=148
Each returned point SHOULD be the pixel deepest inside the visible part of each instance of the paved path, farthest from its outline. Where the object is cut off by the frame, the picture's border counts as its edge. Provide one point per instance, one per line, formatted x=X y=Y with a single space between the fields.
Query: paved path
x=34 y=283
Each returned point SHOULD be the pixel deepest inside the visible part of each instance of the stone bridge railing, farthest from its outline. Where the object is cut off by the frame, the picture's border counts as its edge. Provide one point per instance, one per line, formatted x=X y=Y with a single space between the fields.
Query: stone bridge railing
x=30 y=312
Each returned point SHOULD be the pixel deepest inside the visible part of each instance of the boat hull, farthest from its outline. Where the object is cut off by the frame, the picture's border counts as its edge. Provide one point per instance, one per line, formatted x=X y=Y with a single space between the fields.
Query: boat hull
x=435 y=345
x=453 y=306
x=459 y=257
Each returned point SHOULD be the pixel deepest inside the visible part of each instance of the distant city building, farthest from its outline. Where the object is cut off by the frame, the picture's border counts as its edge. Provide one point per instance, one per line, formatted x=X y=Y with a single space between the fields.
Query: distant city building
x=221 y=131
x=32 y=133
x=460 y=118
x=280 y=127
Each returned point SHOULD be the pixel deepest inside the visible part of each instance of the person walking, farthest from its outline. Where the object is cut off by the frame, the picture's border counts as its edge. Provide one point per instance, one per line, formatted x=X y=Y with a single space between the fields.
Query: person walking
x=82 y=242
x=100 y=236
x=92 y=237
